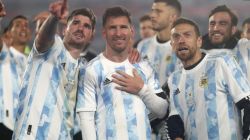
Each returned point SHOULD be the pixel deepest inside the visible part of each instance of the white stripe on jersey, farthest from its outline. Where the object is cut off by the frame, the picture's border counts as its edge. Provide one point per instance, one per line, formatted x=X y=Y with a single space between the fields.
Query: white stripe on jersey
x=161 y=57
x=119 y=115
x=205 y=98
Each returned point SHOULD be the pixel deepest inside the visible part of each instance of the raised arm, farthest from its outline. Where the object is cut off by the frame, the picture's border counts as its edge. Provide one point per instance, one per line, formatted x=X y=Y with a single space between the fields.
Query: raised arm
x=45 y=37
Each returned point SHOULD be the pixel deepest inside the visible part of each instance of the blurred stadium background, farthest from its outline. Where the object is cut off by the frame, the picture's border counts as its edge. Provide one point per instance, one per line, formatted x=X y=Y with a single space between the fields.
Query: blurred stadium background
x=197 y=10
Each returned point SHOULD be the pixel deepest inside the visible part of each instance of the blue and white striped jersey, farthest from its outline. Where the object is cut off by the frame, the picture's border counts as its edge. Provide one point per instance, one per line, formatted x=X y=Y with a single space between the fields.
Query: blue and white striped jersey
x=48 y=95
x=20 y=59
x=205 y=98
x=118 y=115
x=241 y=52
x=161 y=56
x=10 y=81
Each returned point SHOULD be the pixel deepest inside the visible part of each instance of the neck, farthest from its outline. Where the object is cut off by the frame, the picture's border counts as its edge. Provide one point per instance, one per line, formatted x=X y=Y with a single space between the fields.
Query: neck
x=193 y=61
x=164 y=35
x=19 y=47
x=115 y=56
x=74 y=51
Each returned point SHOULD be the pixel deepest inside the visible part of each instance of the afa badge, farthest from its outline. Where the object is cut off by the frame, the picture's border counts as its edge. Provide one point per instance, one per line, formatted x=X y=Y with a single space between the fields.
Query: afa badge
x=168 y=58
x=203 y=82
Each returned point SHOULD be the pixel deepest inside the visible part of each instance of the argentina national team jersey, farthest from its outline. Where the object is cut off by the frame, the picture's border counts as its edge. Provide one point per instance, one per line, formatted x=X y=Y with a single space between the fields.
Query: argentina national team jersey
x=161 y=57
x=241 y=52
x=205 y=98
x=48 y=94
x=9 y=88
x=118 y=115
x=20 y=59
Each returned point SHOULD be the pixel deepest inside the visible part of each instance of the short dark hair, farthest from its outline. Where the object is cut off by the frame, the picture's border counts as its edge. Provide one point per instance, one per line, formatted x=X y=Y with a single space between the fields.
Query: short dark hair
x=187 y=21
x=145 y=18
x=85 y=12
x=246 y=21
x=15 y=18
x=173 y=3
x=116 y=11
x=224 y=8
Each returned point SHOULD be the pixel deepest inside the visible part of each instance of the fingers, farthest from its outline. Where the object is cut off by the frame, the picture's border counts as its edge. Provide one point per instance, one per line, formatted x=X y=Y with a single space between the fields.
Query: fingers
x=119 y=82
x=135 y=73
x=123 y=74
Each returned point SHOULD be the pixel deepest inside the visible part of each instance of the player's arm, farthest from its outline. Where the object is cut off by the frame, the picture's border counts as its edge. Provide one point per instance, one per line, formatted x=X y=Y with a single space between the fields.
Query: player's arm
x=45 y=37
x=238 y=87
x=135 y=85
x=87 y=124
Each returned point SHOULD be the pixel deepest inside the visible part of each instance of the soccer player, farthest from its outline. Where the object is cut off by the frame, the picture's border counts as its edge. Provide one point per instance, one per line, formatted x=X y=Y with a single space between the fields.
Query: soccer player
x=208 y=94
x=48 y=93
x=20 y=33
x=9 y=87
x=220 y=38
x=157 y=48
x=246 y=28
x=106 y=110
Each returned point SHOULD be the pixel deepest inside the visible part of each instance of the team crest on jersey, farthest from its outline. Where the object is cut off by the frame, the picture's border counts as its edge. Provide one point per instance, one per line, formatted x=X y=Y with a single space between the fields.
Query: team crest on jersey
x=204 y=81
x=168 y=58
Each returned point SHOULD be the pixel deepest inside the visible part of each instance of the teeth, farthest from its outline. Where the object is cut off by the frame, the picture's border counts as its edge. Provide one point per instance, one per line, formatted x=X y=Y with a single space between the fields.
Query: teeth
x=23 y=34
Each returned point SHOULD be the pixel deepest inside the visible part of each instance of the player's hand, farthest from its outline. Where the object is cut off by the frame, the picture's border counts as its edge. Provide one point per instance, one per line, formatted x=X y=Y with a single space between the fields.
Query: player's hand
x=134 y=56
x=2 y=9
x=59 y=9
x=130 y=84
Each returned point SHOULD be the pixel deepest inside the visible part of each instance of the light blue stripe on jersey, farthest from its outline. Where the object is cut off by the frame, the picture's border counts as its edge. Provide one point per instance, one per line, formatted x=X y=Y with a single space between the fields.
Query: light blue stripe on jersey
x=189 y=95
x=241 y=62
x=15 y=87
x=49 y=105
x=210 y=94
x=21 y=106
x=237 y=74
x=130 y=114
x=232 y=117
x=156 y=86
x=172 y=65
x=110 y=117
x=176 y=80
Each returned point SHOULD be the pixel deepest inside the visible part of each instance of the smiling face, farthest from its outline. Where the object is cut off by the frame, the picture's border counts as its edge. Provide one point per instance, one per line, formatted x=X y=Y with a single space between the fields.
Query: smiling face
x=186 y=43
x=20 y=31
x=118 y=32
x=220 y=28
x=78 y=32
x=246 y=31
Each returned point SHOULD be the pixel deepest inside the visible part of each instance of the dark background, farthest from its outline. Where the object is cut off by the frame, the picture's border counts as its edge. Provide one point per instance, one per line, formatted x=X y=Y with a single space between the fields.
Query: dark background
x=197 y=10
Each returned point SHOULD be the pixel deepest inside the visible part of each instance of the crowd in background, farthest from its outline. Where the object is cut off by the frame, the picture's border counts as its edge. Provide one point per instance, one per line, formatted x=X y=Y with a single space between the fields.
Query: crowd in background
x=172 y=83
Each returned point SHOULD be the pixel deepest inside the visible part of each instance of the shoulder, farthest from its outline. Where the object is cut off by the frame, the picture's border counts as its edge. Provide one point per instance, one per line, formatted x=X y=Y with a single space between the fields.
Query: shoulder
x=244 y=42
x=145 y=42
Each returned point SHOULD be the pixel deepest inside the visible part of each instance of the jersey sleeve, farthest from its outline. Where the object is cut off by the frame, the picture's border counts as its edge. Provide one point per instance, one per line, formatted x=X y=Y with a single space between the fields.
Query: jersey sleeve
x=86 y=100
x=235 y=79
